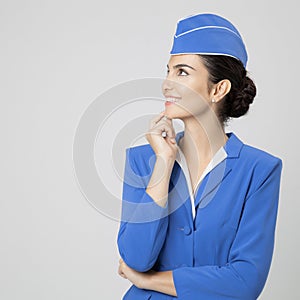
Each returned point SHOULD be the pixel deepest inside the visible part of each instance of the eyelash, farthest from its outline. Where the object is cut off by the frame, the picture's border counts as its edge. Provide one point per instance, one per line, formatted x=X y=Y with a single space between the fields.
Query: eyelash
x=179 y=71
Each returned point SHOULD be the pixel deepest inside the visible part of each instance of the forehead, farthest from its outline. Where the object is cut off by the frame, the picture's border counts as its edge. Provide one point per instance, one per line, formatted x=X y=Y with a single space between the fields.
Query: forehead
x=193 y=60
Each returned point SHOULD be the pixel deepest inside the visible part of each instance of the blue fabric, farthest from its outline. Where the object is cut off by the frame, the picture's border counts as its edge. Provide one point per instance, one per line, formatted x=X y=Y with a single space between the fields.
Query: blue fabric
x=226 y=252
x=208 y=34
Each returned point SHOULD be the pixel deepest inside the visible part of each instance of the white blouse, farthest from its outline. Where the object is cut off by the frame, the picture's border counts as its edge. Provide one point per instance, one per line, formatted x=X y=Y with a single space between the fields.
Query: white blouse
x=219 y=156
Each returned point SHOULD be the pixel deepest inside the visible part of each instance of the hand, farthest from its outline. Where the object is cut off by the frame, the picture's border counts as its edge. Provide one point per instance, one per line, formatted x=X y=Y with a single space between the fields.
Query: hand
x=156 y=281
x=163 y=146
x=139 y=279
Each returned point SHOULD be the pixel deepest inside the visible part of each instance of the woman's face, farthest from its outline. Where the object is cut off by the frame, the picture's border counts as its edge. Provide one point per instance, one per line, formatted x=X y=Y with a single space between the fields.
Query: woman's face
x=186 y=87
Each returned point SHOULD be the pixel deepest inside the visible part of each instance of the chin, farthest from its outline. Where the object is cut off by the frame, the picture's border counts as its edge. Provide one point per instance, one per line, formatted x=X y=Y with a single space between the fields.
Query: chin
x=172 y=115
x=176 y=113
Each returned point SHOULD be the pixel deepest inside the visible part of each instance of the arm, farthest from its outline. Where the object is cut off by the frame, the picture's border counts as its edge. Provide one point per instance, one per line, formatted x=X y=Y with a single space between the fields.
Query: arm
x=158 y=281
x=144 y=213
x=244 y=276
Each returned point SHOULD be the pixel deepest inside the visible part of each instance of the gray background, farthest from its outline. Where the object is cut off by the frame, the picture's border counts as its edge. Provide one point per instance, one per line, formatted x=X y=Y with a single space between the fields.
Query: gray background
x=56 y=57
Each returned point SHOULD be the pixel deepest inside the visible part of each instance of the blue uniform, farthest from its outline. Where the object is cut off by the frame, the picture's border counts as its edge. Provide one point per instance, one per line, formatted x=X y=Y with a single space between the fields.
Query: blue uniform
x=225 y=252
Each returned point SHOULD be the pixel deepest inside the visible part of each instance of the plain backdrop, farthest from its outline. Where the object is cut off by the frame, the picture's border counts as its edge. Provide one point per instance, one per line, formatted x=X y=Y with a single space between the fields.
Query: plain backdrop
x=56 y=57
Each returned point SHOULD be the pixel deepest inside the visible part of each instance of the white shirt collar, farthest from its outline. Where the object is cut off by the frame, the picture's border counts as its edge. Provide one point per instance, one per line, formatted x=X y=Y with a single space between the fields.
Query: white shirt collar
x=219 y=156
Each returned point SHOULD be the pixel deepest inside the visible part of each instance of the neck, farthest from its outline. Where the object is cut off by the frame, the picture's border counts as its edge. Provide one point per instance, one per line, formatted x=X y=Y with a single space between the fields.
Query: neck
x=202 y=139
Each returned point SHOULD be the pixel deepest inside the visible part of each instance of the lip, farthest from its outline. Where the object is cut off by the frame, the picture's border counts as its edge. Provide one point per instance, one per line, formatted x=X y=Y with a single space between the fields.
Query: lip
x=171 y=100
x=170 y=96
x=167 y=103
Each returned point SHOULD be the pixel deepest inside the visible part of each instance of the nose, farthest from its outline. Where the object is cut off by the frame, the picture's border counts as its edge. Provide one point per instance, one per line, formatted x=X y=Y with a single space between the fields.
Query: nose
x=167 y=85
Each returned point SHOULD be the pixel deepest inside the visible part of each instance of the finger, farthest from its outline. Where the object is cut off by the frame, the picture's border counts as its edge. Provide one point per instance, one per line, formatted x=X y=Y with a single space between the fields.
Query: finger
x=156 y=119
x=173 y=137
x=173 y=140
x=165 y=127
x=161 y=131
x=120 y=272
x=168 y=132
x=121 y=268
x=168 y=121
x=167 y=118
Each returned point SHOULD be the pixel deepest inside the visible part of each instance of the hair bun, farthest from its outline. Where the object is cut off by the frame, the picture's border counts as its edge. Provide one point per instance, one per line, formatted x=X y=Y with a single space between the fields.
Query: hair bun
x=242 y=91
x=243 y=98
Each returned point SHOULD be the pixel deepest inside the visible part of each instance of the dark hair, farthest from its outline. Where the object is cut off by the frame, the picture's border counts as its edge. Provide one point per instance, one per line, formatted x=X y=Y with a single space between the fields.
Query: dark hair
x=243 y=90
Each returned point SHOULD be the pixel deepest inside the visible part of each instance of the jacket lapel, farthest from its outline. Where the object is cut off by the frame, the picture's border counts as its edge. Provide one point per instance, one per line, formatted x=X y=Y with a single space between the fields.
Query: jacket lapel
x=211 y=182
x=209 y=185
x=179 y=191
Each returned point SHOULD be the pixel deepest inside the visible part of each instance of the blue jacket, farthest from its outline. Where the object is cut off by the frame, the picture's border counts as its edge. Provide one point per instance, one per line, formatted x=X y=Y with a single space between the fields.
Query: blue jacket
x=226 y=251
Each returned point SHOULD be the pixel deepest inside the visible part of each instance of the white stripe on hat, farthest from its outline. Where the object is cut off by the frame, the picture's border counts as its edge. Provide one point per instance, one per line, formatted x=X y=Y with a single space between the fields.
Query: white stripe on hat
x=207 y=27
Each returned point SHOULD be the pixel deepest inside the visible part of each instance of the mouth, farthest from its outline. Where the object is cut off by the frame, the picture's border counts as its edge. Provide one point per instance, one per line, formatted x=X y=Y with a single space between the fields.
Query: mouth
x=170 y=100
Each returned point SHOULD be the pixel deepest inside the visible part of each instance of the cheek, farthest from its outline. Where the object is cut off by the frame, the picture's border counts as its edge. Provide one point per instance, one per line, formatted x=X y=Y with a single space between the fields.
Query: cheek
x=199 y=87
x=193 y=87
x=194 y=101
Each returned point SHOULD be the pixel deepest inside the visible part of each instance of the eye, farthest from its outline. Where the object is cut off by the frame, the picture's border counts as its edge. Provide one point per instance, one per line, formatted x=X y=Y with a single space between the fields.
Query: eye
x=182 y=72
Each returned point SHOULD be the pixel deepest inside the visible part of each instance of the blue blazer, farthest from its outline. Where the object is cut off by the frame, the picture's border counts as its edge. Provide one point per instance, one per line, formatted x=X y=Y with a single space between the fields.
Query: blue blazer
x=226 y=251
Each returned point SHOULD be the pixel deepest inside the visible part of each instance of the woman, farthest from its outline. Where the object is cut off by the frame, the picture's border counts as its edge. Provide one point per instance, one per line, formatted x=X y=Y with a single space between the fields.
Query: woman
x=198 y=221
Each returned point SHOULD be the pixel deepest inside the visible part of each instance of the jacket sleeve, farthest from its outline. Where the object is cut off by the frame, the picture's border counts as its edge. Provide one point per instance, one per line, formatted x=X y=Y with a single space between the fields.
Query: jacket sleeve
x=143 y=224
x=245 y=274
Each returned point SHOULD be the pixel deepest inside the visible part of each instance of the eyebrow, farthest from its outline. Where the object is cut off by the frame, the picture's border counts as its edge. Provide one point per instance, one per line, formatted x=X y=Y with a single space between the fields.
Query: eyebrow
x=181 y=65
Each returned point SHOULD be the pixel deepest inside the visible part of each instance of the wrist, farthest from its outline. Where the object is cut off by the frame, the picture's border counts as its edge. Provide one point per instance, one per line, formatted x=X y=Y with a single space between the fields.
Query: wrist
x=166 y=157
x=148 y=280
x=165 y=162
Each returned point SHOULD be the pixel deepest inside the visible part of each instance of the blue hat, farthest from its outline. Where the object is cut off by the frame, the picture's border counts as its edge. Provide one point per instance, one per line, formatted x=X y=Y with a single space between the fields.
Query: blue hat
x=208 y=34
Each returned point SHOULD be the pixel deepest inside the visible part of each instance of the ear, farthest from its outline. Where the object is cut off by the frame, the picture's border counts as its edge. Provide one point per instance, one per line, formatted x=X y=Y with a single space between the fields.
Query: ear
x=221 y=89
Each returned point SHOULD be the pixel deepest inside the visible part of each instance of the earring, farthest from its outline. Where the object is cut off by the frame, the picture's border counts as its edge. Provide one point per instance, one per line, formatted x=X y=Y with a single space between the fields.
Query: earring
x=213 y=100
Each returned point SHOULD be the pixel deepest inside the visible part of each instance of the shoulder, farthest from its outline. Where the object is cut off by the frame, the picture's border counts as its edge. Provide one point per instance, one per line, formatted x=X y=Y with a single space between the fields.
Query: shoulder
x=258 y=157
x=249 y=156
x=258 y=165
